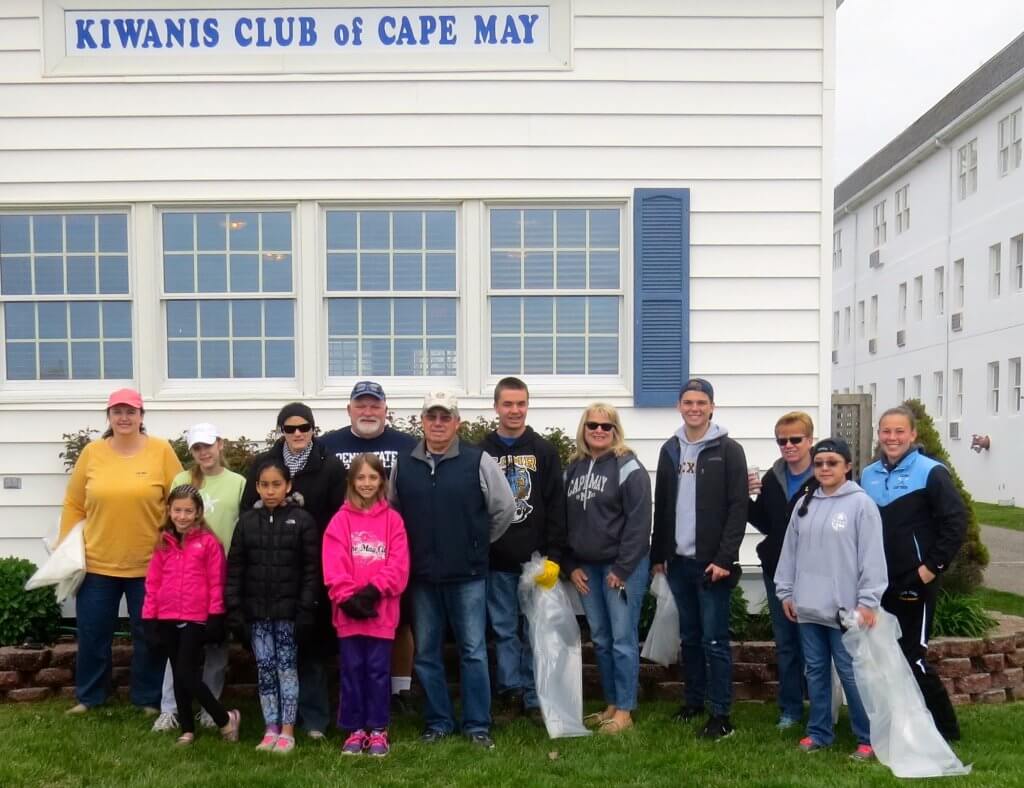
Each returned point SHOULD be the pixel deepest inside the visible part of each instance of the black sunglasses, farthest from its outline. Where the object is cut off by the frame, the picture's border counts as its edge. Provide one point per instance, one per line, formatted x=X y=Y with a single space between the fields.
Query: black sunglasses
x=288 y=429
x=823 y=463
x=796 y=440
x=604 y=426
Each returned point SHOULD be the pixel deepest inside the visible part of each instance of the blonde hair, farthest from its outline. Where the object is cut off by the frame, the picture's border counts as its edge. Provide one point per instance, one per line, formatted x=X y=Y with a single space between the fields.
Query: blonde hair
x=372 y=461
x=796 y=417
x=618 y=447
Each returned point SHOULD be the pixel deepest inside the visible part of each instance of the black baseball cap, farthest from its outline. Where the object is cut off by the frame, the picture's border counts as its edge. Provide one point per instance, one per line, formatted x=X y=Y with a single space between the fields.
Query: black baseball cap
x=698 y=384
x=367 y=388
x=836 y=445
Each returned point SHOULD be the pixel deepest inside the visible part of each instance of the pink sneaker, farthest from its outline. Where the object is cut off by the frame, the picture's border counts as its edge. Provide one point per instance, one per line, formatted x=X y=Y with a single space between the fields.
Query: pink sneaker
x=356 y=742
x=863 y=753
x=268 y=741
x=379 y=746
x=284 y=745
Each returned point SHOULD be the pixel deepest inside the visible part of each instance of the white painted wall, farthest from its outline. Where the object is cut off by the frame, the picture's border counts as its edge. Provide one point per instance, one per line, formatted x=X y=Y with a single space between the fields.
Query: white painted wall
x=732 y=98
x=943 y=229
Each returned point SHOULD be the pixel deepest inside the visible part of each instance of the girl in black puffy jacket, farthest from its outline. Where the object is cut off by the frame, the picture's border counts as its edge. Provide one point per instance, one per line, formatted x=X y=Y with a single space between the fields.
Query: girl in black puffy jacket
x=271 y=594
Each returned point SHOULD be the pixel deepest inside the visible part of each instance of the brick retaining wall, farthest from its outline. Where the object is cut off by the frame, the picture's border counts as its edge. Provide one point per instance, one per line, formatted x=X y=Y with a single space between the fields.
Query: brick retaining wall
x=988 y=670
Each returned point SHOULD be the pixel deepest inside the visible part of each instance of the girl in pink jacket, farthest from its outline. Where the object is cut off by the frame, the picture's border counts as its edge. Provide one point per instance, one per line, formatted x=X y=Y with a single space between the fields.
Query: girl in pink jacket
x=184 y=607
x=366 y=568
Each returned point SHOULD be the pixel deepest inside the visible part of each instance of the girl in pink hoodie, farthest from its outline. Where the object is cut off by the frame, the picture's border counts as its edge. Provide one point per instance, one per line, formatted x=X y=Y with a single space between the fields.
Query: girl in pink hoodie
x=366 y=568
x=184 y=607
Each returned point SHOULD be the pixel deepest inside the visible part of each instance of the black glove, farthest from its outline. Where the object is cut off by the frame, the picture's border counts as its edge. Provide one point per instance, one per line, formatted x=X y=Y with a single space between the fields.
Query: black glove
x=305 y=624
x=152 y=635
x=240 y=628
x=215 y=633
x=370 y=593
x=355 y=608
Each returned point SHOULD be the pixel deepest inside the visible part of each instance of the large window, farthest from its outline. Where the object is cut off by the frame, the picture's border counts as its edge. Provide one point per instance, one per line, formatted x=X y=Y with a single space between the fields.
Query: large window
x=995 y=270
x=1017 y=261
x=230 y=259
x=392 y=293
x=837 y=250
x=967 y=158
x=1010 y=133
x=1015 y=385
x=902 y=200
x=65 y=294
x=938 y=382
x=555 y=291
x=940 y=289
x=879 y=220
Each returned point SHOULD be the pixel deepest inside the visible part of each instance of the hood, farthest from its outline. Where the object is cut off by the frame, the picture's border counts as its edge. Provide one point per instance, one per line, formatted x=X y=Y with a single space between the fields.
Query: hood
x=373 y=511
x=849 y=488
x=171 y=538
x=714 y=432
x=526 y=439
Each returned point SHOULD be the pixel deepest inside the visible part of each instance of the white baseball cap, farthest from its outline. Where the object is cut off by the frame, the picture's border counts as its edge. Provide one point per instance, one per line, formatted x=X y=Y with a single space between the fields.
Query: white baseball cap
x=442 y=398
x=202 y=433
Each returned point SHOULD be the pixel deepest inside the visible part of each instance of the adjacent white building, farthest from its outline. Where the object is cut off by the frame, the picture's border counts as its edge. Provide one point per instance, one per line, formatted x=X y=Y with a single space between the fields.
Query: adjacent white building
x=928 y=274
x=230 y=211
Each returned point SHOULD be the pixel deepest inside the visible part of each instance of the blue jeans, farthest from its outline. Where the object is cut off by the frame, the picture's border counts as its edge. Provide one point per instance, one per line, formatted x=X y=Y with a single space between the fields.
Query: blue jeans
x=96 y=608
x=614 y=619
x=822 y=646
x=789 y=656
x=512 y=652
x=704 y=630
x=464 y=606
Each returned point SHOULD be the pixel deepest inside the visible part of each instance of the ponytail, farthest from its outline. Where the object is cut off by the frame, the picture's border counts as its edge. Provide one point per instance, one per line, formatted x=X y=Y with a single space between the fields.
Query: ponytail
x=812 y=485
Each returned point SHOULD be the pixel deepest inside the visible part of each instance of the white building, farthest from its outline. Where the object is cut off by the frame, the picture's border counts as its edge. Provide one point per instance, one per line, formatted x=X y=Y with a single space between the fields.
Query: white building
x=230 y=226
x=928 y=274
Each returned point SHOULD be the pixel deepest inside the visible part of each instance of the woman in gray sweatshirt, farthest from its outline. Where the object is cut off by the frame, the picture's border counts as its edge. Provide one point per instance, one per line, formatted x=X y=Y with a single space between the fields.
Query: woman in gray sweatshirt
x=833 y=560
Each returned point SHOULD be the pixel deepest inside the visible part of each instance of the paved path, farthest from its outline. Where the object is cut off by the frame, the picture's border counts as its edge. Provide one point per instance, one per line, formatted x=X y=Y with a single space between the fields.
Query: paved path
x=1006 y=559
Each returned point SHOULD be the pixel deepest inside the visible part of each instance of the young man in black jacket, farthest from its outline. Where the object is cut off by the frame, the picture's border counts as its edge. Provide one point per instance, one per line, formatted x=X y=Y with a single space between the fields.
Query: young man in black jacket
x=534 y=473
x=777 y=493
x=700 y=516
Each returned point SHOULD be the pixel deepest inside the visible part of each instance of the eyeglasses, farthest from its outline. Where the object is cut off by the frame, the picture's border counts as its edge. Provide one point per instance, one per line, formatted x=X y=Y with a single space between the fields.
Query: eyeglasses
x=826 y=463
x=795 y=440
x=604 y=426
x=442 y=416
x=289 y=429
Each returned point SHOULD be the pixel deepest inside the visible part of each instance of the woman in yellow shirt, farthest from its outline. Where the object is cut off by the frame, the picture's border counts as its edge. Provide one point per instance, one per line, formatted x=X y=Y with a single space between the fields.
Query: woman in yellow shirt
x=118 y=486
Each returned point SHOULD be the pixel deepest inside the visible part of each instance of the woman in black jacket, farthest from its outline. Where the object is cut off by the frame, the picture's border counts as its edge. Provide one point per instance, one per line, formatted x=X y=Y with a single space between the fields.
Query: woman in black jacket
x=319 y=477
x=271 y=592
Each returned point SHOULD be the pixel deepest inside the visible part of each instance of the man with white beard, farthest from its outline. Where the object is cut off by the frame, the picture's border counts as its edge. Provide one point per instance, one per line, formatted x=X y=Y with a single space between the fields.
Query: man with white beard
x=369 y=433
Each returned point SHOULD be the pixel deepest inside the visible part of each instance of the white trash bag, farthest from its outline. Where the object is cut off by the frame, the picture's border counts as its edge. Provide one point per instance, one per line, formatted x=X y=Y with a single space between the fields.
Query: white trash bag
x=65 y=568
x=662 y=642
x=557 y=655
x=903 y=733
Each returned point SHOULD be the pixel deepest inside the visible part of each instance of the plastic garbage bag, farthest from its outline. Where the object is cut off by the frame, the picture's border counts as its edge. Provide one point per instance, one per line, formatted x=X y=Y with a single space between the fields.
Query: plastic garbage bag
x=65 y=568
x=662 y=642
x=838 y=699
x=903 y=733
x=557 y=655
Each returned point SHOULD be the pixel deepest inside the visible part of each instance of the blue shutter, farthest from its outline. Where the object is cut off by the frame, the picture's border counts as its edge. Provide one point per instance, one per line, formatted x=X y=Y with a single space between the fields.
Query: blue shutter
x=661 y=263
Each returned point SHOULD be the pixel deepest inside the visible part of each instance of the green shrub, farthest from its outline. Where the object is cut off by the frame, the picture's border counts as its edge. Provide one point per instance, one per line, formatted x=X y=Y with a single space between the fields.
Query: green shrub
x=759 y=624
x=739 y=617
x=961 y=615
x=25 y=616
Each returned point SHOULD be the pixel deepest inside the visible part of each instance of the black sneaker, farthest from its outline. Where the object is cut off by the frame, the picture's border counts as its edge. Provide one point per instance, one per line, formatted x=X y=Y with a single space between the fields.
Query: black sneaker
x=481 y=739
x=716 y=728
x=433 y=735
x=402 y=702
x=509 y=704
x=688 y=713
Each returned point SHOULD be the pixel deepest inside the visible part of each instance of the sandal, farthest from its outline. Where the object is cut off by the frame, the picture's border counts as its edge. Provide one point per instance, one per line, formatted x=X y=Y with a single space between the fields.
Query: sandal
x=595 y=720
x=611 y=727
x=185 y=740
x=230 y=731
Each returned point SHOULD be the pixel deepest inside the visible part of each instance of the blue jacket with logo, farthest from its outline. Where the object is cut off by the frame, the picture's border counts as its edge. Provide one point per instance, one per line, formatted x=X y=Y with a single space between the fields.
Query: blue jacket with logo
x=923 y=516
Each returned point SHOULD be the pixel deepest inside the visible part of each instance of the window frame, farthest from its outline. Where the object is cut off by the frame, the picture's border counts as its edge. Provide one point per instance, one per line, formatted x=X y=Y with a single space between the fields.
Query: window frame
x=958 y=393
x=939 y=382
x=837 y=250
x=967 y=166
x=939 y=280
x=1013 y=382
x=995 y=270
x=1017 y=260
x=1009 y=142
x=47 y=389
x=919 y=297
x=901 y=304
x=901 y=202
x=993 y=388
x=879 y=224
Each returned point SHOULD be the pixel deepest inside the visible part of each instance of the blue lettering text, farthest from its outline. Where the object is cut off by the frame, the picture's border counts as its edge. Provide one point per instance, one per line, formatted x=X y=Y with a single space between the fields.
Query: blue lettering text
x=84 y=39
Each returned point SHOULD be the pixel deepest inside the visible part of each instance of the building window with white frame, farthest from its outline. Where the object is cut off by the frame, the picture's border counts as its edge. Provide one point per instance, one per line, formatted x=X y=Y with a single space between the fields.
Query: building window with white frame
x=1010 y=142
x=901 y=390
x=873 y=317
x=958 y=393
x=835 y=329
x=1015 y=384
x=873 y=391
x=918 y=297
x=967 y=158
x=938 y=381
x=902 y=209
x=555 y=290
x=879 y=219
x=860 y=319
x=940 y=289
x=66 y=297
x=837 y=250
x=915 y=387
x=995 y=270
x=993 y=388
x=392 y=292
x=901 y=304
x=228 y=294
x=847 y=327
x=1017 y=261
x=958 y=282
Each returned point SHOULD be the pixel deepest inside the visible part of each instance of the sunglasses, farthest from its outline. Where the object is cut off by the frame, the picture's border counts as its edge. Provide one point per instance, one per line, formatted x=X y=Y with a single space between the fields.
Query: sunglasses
x=826 y=463
x=604 y=426
x=288 y=429
x=796 y=440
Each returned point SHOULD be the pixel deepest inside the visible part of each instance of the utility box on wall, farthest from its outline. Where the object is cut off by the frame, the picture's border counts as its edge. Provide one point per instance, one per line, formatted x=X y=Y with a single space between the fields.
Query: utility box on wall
x=851 y=421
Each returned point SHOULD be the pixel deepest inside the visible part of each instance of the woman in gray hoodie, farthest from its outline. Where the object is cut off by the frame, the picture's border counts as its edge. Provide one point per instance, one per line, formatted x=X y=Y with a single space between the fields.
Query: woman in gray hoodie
x=833 y=560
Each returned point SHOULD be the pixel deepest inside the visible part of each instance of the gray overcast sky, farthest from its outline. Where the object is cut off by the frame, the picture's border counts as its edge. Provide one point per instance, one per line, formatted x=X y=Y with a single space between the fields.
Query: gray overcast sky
x=896 y=58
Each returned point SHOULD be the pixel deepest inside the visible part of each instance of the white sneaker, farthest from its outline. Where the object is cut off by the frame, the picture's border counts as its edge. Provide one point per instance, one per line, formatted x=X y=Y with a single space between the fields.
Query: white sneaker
x=205 y=720
x=166 y=721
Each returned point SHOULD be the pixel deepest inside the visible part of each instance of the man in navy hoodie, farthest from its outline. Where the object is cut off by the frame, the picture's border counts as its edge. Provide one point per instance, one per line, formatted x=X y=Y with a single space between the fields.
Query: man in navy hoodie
x=700 y=516
x=534 y=473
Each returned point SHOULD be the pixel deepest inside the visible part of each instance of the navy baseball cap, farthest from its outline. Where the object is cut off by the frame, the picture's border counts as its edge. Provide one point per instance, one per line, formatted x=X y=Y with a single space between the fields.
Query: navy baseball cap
x=698 y=384
x=367 y=388
x=835 y=445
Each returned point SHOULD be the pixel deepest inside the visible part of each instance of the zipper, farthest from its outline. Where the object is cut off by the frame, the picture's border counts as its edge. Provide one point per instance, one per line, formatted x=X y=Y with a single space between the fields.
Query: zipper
x=586 y=488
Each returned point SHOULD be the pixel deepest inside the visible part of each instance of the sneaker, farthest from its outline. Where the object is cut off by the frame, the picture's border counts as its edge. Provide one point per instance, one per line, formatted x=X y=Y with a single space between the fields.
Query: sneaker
x=316 y=735
x=185 y=740
x=205 y=720
x=402 y=702
x=150 y=711
x=379 y=746
x=509 y=704
x=356 y=742
x=81 y=708
x=268 y=741
x=433 y=735
x=688 y=713
x=168 y=721
x=863 y=753
x=284 y=745
x=807 y=744
x=717 y=728
x=481 y=739
x=230 y=731
x=785 y=723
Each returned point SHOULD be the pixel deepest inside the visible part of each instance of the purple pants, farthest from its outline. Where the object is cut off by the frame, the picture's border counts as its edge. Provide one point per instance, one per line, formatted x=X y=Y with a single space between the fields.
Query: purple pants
x=365 y=688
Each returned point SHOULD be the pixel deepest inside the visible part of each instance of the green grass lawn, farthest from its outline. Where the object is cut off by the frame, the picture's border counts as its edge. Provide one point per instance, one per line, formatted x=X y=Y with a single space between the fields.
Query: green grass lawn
x=113 y=746
x=1011 y=517
x=1002 y=601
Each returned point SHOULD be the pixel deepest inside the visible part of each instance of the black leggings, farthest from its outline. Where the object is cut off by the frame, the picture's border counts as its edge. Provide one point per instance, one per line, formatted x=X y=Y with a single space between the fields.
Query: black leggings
x=184 y=642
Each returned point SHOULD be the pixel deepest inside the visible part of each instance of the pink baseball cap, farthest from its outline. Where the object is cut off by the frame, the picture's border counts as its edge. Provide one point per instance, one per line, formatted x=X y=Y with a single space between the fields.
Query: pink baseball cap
x=125 y=397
